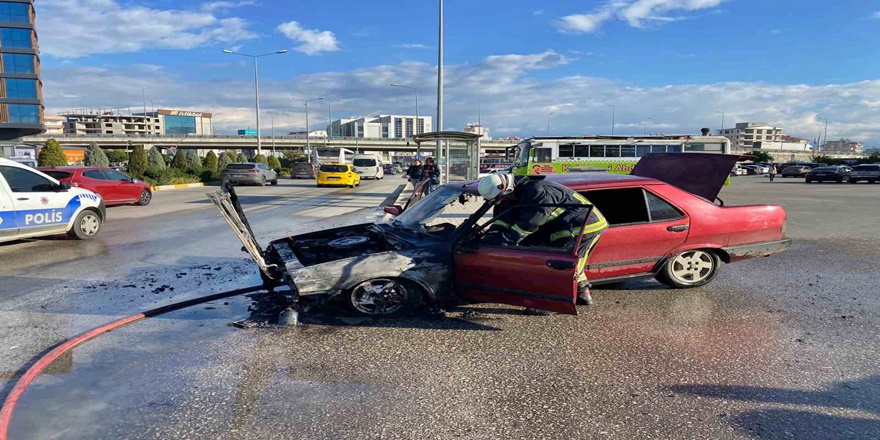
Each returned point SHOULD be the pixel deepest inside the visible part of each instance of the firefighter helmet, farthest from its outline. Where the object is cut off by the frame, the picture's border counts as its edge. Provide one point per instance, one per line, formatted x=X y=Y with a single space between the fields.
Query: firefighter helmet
x=495 y=185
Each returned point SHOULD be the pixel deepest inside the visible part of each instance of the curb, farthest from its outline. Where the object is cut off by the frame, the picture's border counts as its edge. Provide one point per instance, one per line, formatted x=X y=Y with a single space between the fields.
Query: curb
x=178 y=186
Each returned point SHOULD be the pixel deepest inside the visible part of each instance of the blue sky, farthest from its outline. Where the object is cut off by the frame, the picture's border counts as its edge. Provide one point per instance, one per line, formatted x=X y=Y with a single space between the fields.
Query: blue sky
x=677 y=62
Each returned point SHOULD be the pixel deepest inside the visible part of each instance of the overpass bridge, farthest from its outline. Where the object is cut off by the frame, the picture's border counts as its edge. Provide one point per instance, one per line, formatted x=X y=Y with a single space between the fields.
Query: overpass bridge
x=221 y=142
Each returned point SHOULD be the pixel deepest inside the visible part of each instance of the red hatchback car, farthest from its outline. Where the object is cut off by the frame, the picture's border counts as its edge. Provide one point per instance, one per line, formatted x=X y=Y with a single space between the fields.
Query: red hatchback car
x=666 y=229
x=115 y=187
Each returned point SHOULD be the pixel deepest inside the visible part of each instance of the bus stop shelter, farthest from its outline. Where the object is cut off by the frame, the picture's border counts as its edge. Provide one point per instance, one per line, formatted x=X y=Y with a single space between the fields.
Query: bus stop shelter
x=456 y=152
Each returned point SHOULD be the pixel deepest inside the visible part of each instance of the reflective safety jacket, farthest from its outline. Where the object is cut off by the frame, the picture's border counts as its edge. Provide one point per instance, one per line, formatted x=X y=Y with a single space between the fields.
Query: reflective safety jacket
x=525 y=218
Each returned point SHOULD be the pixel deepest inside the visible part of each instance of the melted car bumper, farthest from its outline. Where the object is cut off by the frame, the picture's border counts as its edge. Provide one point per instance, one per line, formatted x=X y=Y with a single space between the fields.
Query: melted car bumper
x=761 y=249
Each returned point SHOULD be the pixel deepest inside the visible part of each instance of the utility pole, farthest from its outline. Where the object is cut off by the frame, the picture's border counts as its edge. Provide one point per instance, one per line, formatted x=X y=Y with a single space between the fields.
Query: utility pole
x=440 y=87
x=612 y=119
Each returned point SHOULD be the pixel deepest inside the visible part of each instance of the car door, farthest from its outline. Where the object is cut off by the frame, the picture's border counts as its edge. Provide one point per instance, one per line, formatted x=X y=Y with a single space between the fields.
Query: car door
x=538 y=277
x=39 y=207
x=122 y=187
x=8 y=222
x=643 y=228
x=98 y=182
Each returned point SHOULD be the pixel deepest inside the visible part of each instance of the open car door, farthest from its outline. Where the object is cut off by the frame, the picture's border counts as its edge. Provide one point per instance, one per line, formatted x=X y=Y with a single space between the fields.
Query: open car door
x=227 y=202
x=538 y=277
x=702 y=174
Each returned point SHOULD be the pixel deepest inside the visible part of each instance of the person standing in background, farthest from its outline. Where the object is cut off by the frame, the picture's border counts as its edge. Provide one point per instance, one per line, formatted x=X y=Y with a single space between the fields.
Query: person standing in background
x=414 y=173
x=772 y=172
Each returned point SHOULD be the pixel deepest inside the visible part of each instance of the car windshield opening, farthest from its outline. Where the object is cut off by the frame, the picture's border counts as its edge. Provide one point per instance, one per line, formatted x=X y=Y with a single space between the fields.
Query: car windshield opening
x=364 y=162
x=431 y=207
x=239 y=166
x=333 y=168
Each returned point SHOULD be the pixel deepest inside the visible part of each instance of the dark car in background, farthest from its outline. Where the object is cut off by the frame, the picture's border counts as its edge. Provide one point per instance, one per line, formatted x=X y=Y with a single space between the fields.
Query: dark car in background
x=114 y=187
x=302 y=170
x=795 y=171
x=829 y=174
x=254 y=173
x=390 y=169
x=868 y=172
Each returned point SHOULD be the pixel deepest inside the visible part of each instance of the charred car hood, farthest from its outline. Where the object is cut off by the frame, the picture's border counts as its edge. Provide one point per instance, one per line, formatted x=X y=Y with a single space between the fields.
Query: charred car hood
x=702 y=174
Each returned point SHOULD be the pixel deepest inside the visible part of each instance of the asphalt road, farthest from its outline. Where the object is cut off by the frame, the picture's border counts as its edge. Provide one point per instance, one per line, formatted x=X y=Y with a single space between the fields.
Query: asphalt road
x=782 y=347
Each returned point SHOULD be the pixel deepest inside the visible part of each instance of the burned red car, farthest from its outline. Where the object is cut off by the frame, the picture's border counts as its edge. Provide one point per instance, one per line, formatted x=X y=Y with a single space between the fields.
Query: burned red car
x=662 y=225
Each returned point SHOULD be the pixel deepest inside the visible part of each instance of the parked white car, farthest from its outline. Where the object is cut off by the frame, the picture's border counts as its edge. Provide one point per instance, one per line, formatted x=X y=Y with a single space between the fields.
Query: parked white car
x=369 y=166
x=33 y=204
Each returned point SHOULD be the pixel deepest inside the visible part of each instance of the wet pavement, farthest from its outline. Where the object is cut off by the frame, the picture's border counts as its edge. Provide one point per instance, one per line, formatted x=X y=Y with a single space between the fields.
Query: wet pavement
x=778 y=348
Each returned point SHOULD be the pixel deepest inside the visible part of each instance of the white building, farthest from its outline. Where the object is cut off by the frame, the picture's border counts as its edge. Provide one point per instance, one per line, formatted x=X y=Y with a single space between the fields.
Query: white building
x=183 y=122
x=54 y=124
x=96 y=122
x=745 y=134
x=842 y=146
x=382 y=126
x=478 y=129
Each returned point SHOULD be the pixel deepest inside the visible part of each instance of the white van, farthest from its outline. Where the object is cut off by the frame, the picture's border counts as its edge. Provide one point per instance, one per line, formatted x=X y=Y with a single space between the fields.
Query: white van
x=369 y=166
x=33 y=204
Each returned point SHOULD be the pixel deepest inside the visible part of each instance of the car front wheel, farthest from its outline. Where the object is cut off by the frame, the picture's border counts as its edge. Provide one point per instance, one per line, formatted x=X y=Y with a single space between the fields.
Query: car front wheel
x=381 y=297
x=145 y=198
x=689 y=269
x=86 y=225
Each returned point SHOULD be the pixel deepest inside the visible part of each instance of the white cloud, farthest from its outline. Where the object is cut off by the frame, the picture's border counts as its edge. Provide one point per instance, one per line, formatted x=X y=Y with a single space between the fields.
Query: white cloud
x=413 y=46
x=77 y=28
x=538 y=12
x=514 y=100
x=313 y=41
x=775 y=31
x=876 y=14
x=636 y=13
x=224 y=5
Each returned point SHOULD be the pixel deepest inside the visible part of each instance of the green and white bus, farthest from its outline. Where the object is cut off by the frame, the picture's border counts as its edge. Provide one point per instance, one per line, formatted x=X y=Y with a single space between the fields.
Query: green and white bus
x=616 y=154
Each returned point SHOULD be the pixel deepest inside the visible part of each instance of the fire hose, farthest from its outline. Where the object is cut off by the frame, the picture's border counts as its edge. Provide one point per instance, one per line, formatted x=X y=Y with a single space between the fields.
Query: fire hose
x=37 y=368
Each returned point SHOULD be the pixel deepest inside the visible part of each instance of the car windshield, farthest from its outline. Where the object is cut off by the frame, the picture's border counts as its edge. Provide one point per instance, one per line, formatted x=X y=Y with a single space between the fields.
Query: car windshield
x=333 y=168
x=239 y=166
x=58 y=174
x=824 y=169
x=427 y=209
x=867 y=168
x=364 y=162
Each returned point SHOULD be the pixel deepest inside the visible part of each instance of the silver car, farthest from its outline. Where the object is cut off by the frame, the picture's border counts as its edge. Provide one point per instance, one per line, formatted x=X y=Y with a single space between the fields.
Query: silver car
x=868 y=172
x=249 y=173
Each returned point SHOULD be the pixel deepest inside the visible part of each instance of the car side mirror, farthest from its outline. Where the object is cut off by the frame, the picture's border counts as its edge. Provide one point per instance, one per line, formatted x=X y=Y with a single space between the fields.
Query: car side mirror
x=135 y=180
x=393 y=209
x=63 y=186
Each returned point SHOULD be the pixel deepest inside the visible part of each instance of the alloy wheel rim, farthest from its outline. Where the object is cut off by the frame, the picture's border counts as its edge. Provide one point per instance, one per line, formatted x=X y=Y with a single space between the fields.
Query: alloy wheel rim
x=89 y=225
x=692 y=267
x=145 y=197
x=378 y=297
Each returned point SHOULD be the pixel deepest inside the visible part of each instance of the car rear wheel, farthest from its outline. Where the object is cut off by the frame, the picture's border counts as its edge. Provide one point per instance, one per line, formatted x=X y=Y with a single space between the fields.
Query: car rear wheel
x=145 y=198
x=86 y=225
x=853 y=181
x=384 y=297
x=809 y=180
x=274 y=182
x=689 y=269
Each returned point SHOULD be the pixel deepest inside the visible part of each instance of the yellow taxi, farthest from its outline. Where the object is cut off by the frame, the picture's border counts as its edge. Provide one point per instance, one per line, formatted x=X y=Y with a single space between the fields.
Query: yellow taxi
x=338 y=174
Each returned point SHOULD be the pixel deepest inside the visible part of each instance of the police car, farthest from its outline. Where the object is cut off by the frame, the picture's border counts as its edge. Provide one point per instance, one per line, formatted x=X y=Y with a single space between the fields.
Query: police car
x=33 y=204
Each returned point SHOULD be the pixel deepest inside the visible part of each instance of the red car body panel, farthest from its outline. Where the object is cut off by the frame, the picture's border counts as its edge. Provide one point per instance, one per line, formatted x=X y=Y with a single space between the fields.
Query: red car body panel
x=114 y=192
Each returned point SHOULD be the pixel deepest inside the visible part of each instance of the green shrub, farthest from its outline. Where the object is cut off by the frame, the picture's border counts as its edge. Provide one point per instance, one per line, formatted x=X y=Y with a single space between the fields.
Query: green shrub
x=117 y=156
x=260 y=158
x=95 y=157
x=155 y=159
x=137 y=161
x=232 y=155
x=52 y=155
x=224 y=161
x=179 y=161
x=273 y=162
x=241 y=158
x=169 y=176
x=210 y=162
x=193 y=160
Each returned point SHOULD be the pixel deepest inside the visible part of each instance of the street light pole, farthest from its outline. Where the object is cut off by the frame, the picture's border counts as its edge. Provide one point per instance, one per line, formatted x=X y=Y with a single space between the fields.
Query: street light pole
x=646 y=126
x=612 y=119
x=722 y=121
x=256 y=87
x=440 y=87
x=308 y=138
x=548 y=123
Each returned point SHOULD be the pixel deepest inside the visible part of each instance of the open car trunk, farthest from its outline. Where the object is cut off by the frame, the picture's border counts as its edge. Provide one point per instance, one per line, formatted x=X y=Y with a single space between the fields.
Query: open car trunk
x=701 y=174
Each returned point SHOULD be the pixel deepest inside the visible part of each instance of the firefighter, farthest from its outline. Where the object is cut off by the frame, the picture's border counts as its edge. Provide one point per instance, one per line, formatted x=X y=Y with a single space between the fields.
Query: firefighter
x=556 y=227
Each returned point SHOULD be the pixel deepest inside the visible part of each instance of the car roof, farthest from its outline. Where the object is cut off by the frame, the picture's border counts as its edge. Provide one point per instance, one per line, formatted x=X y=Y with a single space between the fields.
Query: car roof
x=74 y=168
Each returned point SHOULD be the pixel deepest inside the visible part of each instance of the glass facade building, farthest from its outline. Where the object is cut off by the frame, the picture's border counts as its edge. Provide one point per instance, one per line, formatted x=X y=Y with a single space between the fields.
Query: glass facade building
x=21 y=106
x=180 y=124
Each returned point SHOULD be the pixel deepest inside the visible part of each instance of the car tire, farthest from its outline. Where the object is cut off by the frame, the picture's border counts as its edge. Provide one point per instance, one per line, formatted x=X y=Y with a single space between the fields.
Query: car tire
x=352 y=185
x=688 y=269
x=274 y=182
x=145 y=198
x=872 y=181
x=86 y=226
x=405 y=296
x=262 y=181
x=853 y=181
x=809 y=181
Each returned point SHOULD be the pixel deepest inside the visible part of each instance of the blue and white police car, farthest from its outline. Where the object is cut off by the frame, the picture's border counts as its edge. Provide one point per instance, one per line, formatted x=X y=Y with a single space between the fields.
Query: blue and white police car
x=33 y=204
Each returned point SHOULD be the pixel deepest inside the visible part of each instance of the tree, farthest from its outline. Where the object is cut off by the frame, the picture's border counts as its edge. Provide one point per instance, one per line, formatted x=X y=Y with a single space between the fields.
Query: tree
x=223 y=162
x=155 y=159
x=52 y=155
x=179 y=161
x=293 y=155
x=241 y=158
x=761 y=156
x=260 y=158
x=232 y=155
x=193 y=160
x=116 y=156
x=274 y=163
x=95 y=157
x=137 y=161
x=211 y=162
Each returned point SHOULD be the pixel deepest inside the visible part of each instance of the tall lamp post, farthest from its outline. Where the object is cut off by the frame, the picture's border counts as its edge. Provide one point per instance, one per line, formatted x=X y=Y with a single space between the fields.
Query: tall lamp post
x=256 y=87
x=824 y=143
x=548 y=123
x=308 y=138
x=646 y=126
x=722 y=121
x=612 y=119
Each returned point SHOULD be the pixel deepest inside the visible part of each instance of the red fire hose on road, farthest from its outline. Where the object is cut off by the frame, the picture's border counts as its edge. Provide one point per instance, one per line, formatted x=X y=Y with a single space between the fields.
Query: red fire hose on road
x=70 y=344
